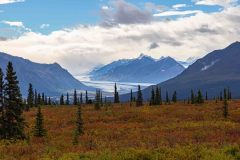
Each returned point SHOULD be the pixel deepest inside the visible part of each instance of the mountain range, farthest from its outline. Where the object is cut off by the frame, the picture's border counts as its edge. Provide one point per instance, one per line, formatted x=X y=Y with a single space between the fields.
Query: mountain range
x=51 y=79
x=143 y=69
x=212 y=73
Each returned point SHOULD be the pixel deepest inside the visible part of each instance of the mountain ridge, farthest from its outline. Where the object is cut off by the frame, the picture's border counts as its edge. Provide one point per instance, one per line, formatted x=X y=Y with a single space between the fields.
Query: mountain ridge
x=49 y=78
x=141 y=69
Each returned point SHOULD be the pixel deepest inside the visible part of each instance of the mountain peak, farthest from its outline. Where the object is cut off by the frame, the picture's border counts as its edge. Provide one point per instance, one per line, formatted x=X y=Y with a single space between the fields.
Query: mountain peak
x=235 y=44
x=144 y=56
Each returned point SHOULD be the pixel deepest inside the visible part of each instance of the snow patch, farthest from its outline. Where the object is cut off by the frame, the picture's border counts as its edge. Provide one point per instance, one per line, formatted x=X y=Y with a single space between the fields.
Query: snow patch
x=210 y=65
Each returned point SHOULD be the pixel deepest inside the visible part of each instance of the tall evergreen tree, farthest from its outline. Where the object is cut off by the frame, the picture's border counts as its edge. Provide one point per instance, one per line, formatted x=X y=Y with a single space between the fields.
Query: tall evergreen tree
x=67 y=100
x=81 y=98
x=192 y=97
x=160 y=96
x=79 y=126
x=152 y=100
x=157 y=97
x=49 y=101
x=116 y=95
x=39 y=99
x=14 y=122
x=139 y=101
x=79 y=121
x=75 y=97
x=97 y=100
x=206 y=96
x=30 y=98
x=43 y=99
x=86 y=97
x=200 y=97
x=131 y=96
x=62 y=100
x=35 y=98
x=221 y=97
x=39 y=130
x=174 y=97
x=225 y=93
x=167 y=98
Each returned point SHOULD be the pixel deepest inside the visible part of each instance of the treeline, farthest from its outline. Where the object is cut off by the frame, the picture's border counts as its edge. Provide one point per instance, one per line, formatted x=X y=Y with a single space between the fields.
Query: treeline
x=12 y=106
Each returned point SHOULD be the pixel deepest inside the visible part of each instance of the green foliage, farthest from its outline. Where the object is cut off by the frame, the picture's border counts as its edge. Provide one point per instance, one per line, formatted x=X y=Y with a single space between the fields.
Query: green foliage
x=67 y=100
x=79 y=126
x=13 y=124
x=97 y=100
x=116 y=95
x=62 y=100
x=75 y=97
x=39 y=130
x=139 y=101
x=174 y=97
x=30 y=98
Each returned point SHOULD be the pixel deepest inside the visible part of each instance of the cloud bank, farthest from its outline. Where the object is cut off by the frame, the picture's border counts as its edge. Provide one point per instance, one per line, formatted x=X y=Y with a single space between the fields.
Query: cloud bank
x=81 y=48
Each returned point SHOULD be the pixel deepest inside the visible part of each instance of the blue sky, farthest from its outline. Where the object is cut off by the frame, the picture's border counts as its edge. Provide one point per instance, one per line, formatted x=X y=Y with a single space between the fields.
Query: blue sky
x=83 y=34
x=59 y=14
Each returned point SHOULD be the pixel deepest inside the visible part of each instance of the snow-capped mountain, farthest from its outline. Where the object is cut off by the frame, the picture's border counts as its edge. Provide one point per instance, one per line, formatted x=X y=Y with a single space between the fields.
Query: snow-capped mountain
x=144 y=69
x=217 y=70
x=49 y=78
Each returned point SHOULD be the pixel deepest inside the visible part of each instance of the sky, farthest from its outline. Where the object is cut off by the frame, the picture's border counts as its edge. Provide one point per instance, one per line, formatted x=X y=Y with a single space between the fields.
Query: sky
x=83 y=34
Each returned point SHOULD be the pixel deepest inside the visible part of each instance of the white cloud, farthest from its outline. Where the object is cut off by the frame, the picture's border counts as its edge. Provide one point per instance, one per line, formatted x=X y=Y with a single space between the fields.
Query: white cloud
x=14 y=23
x=43 y=26
x=223 y=3
x=105 y=7
x=177 y=6
x=176 y=13
x=10 y=1
x=81 y=48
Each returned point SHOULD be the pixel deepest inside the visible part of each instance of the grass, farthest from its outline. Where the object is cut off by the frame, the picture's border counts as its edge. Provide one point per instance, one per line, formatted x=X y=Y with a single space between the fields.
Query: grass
x=175 y=132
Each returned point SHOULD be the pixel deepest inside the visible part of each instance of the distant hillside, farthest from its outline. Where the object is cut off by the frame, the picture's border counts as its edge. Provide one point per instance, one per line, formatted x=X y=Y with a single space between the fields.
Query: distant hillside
x=49 y=78
x=142 y=69
x=218 y=69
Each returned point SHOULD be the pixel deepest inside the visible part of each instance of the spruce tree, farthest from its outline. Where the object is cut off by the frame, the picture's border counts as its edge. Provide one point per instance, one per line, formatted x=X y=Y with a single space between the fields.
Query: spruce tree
x=139 y=101
x=35 y=98
x=160 y=96
x=14 y=121
x=30 y=98
x=224 y=93
x=81 y=98
x=62 y=100
x=157 y=97
x=152 y=100
x=79 y=126
x=39 y=130
x=192 y=97
x=131 y=96
x=43 y=99
x=39 y=99
x=200 y=97
x=79 y=121
x=67 y=100
x=86 y=97
x=49 y=101
x=116 y=95
x=167 y=98
x=174 y=97
x=97 y=100
x=75 y=97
